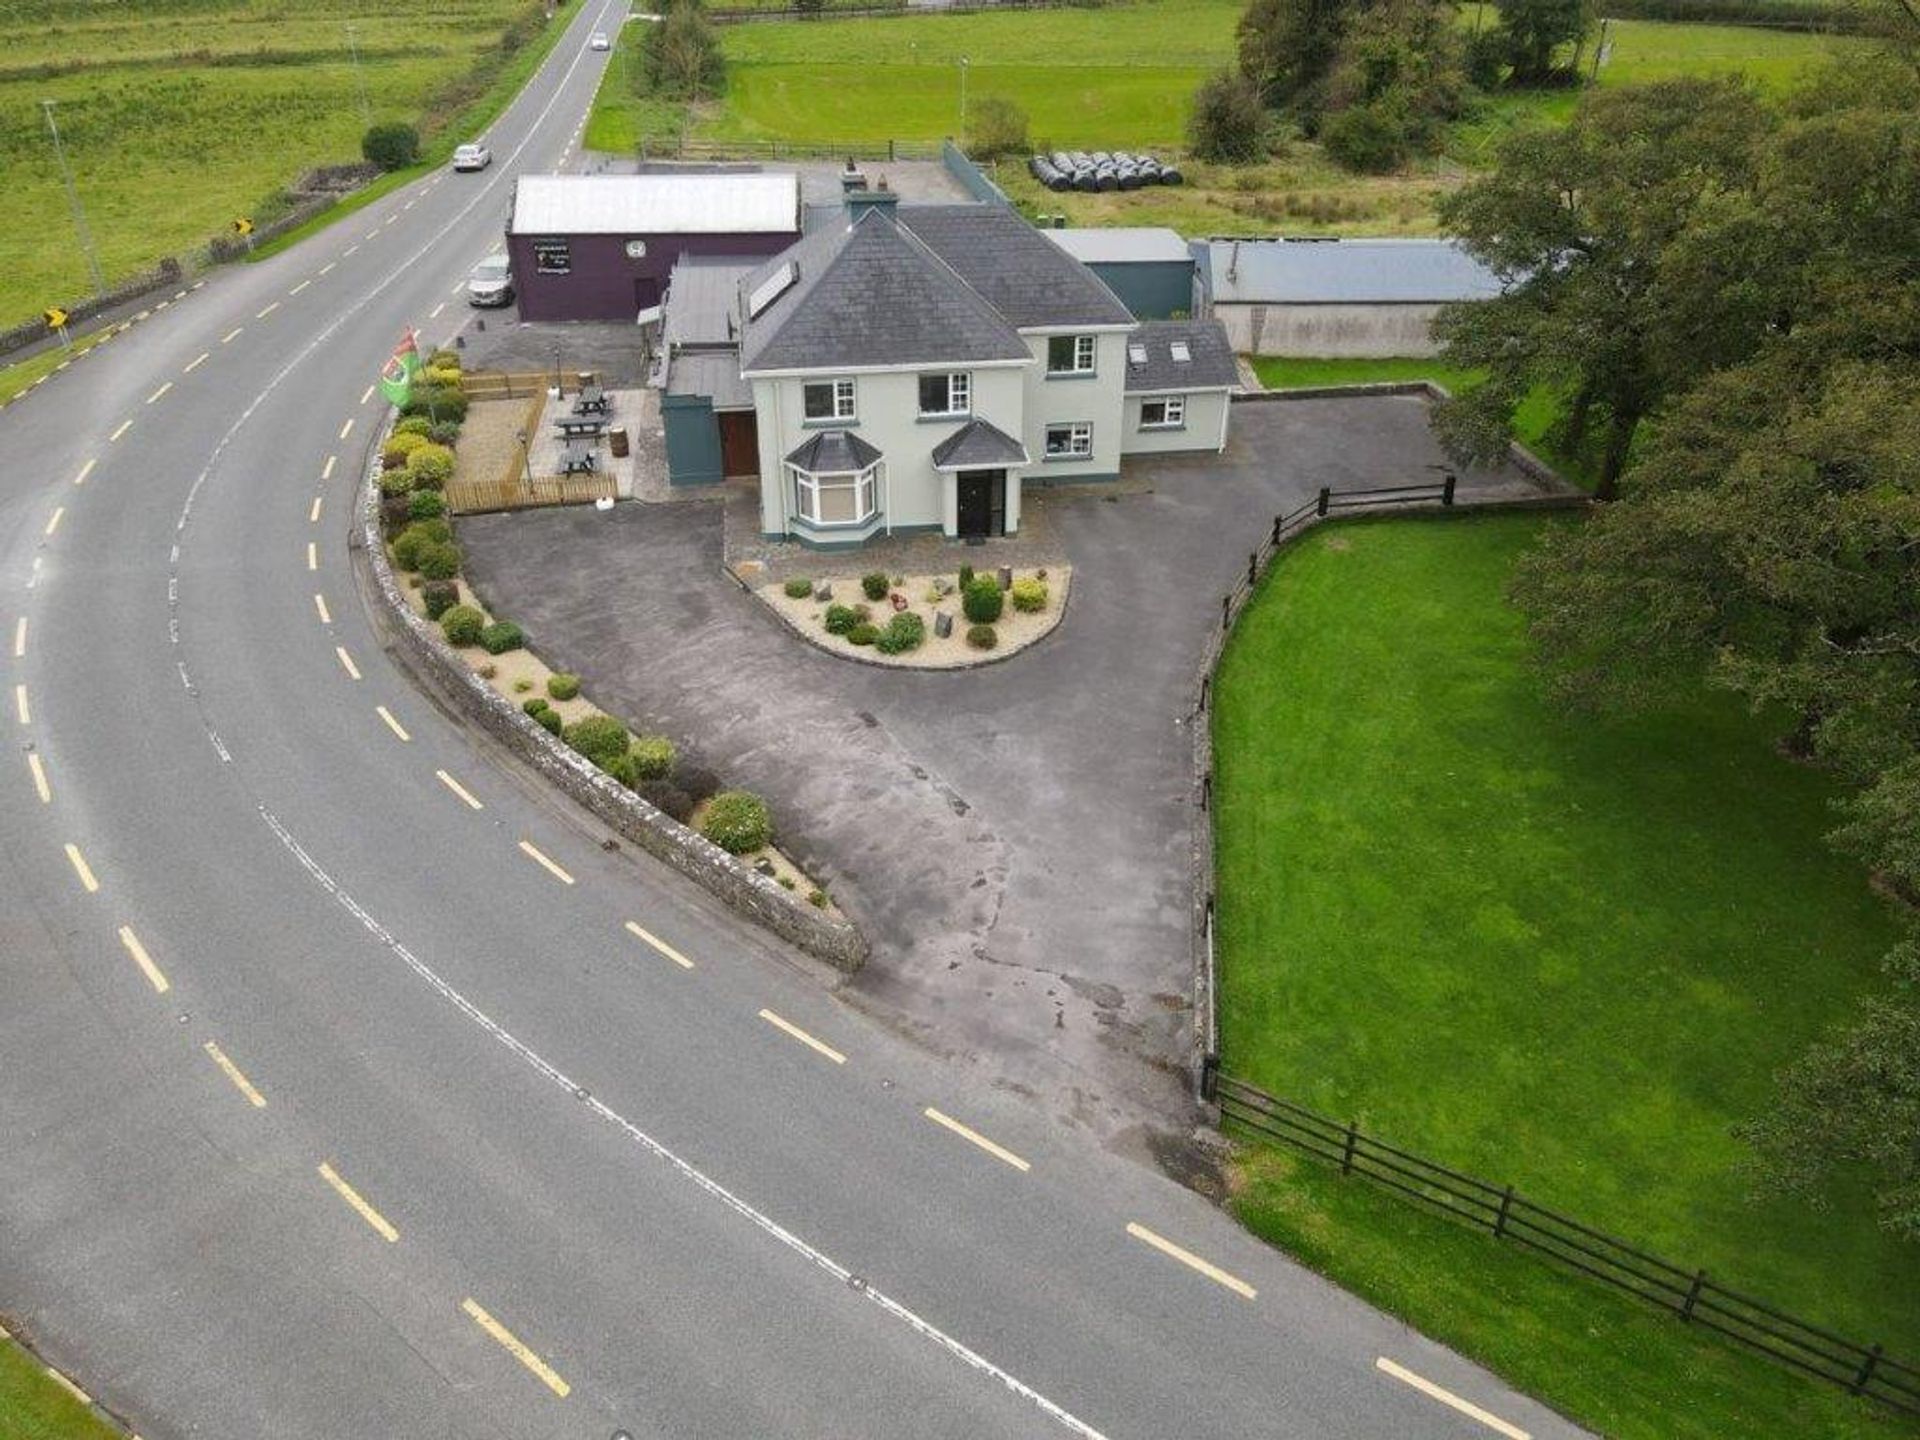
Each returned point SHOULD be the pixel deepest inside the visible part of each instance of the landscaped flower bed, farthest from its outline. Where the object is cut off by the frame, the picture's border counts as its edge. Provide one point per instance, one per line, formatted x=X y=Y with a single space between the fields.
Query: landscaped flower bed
x=898 y=619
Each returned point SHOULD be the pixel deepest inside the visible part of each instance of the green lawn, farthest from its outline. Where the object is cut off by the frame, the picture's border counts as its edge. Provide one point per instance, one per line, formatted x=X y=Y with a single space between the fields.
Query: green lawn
x=179 y=115
x=1561 y=952
x=33 y=1407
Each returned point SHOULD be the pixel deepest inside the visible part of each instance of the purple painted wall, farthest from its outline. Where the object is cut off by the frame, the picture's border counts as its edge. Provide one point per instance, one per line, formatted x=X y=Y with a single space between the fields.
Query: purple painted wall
x=604 y=283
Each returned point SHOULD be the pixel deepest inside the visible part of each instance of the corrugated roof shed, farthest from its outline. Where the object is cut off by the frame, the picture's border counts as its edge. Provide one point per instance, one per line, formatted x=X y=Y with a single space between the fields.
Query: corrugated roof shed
x=1341 y=272
x=1208 y=364
x=655 y=204
x=1120 y=246
x=702 y=300
x=713 y=373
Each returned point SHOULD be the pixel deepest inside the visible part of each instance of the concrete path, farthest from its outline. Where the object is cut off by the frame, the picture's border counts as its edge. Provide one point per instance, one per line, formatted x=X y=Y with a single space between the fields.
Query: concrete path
x=1016 y=837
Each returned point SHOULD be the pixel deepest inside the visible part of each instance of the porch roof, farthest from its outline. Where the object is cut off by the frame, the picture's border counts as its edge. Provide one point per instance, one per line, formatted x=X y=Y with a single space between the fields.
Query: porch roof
x=979 y=445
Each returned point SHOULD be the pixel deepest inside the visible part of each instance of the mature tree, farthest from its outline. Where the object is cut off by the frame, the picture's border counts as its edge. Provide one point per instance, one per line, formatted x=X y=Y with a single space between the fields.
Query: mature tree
x=1532 y=32
x=995 y=126
x=1287 y=48
x=1228 y=119
x=1768 y=537
x=1578 y=221
x=1398 y=75
x=680 y=57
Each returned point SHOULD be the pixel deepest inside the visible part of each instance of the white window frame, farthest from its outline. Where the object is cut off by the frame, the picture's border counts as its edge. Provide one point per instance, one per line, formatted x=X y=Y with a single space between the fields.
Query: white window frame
x=843 y=402
x=807 y=487
x=1173 y=414
x=1079 y=440
x=959 y=383
x=1085 y=349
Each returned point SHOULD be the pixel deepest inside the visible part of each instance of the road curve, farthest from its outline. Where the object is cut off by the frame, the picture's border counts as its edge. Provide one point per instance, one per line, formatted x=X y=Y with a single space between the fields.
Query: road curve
x=354 y=1086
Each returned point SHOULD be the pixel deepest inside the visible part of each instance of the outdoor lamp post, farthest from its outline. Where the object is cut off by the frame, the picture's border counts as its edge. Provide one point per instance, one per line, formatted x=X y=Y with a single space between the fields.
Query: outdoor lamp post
x=963 y=99
x=558 y=387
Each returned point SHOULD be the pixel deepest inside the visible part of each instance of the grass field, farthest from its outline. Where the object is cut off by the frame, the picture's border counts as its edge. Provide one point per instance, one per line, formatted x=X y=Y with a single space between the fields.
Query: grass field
x=1123 y=75
x=178 y=117
x=33 y=1407
x=1566 y=953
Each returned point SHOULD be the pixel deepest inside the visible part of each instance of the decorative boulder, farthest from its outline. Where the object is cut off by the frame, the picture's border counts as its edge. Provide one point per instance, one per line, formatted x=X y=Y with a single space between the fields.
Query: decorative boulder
x=823 y=592
x=942 y=624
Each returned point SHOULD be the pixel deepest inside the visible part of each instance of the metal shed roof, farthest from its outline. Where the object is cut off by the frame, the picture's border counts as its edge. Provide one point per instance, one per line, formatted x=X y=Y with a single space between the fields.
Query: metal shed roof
x=1135 y=245
x=655 y=204
x=1341 y=272
x=712 y=373
x=702 y=296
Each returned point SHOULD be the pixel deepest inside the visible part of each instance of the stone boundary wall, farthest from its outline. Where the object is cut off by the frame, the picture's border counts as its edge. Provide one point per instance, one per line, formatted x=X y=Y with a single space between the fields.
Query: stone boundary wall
x=758 y=897
x=1204 y=1040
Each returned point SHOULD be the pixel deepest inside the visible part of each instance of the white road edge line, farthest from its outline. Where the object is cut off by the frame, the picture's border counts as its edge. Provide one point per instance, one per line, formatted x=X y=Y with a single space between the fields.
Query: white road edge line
x=1447 y=1397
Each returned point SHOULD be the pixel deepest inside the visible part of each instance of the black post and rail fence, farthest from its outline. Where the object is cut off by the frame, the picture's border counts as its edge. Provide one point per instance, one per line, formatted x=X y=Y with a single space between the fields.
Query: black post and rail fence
x=1691 y=1295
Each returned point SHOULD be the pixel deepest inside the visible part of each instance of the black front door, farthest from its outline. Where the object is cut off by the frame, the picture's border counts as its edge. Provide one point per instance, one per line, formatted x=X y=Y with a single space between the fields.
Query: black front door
x=982 y=503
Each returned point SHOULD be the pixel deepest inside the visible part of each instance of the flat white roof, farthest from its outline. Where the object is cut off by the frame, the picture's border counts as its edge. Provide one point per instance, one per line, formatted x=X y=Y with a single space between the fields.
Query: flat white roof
x=1096 y=246
x=655 y=204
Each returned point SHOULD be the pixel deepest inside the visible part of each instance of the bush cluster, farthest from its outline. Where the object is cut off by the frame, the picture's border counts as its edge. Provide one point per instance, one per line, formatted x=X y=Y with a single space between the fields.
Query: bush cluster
x=412 y=542
x=1029 y=596
x=798 y=588
x=400 y=445
x=865 y=633
x=413 y=425
x=462 y=625
x=395 y=483
x=391 y=145
x=563 y=686
x=439 y=560
x=737 y=821
x=441 y=403
x=426 y=505
x=430 y=466
x=666 y=797
x=841 y=619
x=535 y=705
x=982 y=600
x=653 y=757
x=601 y=738
x=982 y=637
x=904 y=632
x=874 y=586
x=500 y=637
x=439 y=596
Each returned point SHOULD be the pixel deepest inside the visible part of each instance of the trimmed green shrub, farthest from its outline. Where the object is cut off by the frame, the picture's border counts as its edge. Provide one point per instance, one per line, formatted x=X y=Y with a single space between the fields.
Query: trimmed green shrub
x=413 y=425
x=408 y=544
x=500 y=637
x=666 y=797
x=522 y=685
x=865 y=633
x=623 y=769
x=798 y=588
x=982 y=637
x=396 y=514
x=598 y=737
x=426 y=505
x=841 y=619
x=444 y=359
x=392 y=145
x=904 y=632
x=966 y=576
x=438 y=403
x=439 y=376
x=549 y=721
x=439 y=596
x=395 y=483
x=438 y=529
x=445 y=433
x=1029 y=596
x=653 y=756
x=403 y=443
x=874 y=586
x=462 y=625
x=982 y=600
x=562 y=686
x=535 y=705
x=440 y=560
x=431 y=466
x=737 y=821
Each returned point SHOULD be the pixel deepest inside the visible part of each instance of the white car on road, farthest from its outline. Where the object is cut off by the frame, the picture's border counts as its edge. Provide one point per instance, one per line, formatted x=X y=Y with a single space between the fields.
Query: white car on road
x=599 y=41
x=472 y=157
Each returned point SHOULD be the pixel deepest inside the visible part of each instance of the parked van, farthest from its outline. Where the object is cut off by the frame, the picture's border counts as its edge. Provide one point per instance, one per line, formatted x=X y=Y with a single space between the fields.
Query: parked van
x=491 y=282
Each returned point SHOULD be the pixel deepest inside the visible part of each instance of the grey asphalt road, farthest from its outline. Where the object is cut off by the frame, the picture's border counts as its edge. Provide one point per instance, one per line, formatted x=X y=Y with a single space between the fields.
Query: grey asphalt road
x=340 y=1100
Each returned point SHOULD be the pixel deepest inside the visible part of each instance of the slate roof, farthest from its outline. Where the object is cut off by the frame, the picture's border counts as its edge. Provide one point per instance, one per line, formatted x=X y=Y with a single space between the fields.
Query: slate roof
x=713 y=373
x=705 y=297
x=871 y=294
x=979 y=444
x=834 y=452
x=1209 y=365
x=1122 y=245
x=1027 y=278
x=655 y=204
x=1341 y=272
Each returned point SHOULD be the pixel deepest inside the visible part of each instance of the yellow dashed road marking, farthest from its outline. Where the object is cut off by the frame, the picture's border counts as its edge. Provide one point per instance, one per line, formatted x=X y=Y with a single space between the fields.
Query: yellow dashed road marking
x=320 y=604
x=512 y=1344
x=125 y=425
x=965 y=1133
x=40 y=786
x=143 y=960
x=346 y=662
x=353 y=1197
x=158 y=393
x=313 y=555
x=82 y=869
x=458 y=789
x=1447 y=1397
x=803 y=1037
x=326 y=473
x=85 y=470
x=392 y=724
x=228 y=337
x=1188 y=1258
x=196 y=363
x=657 y=943
x=532 y=853
x=53 y=521
x=268 y=311
x=232 y=1072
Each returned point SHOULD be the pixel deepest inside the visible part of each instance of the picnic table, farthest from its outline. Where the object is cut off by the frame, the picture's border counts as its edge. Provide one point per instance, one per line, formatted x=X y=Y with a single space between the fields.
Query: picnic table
x=592 y=400
x=577 y=460
x=578 y=427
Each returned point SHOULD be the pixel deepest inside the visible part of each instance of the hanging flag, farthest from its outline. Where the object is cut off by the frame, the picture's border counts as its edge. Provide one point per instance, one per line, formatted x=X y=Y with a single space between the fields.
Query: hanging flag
x=396 y=379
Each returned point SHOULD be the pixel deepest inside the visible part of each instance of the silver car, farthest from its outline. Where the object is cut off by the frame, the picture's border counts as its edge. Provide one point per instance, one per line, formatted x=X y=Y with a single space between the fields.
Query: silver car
x=491 y=282
x=472 y=157
x=599 y=41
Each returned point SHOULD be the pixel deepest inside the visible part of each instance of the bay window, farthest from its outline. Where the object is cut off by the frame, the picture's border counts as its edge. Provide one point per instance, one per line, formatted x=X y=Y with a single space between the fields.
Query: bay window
x=834 y=499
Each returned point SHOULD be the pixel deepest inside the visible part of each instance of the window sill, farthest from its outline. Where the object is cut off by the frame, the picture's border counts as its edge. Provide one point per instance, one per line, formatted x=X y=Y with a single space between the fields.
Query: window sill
x=944 y=417
x=833 y=525
x=1180 y=426
x=847 y=424
x=1073 y=374
x=1063 y=459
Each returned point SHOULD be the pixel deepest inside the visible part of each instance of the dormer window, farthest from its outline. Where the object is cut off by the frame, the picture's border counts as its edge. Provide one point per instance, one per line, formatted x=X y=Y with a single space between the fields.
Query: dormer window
x=1070 y=355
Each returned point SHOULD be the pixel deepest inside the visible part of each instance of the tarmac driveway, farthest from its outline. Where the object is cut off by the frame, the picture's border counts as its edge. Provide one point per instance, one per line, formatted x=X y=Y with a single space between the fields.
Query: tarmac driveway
x=1015 y=838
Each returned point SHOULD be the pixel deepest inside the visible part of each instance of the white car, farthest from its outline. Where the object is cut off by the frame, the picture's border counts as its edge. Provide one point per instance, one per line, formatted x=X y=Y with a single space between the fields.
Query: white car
x=472 y=157
x=599 y=41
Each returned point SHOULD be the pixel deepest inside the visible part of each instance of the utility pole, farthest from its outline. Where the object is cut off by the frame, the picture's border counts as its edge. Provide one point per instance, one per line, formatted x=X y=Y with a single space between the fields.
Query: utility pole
x=73 y=200
x=359 y=77
x=963 y=99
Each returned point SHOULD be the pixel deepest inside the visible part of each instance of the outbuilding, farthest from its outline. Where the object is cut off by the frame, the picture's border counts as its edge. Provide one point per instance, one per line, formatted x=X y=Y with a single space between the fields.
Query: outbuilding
x=600 y=247
x=1333 y=297
x=1150 y=269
